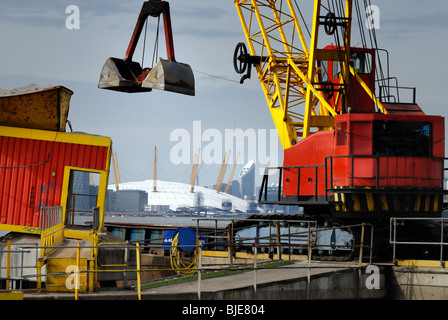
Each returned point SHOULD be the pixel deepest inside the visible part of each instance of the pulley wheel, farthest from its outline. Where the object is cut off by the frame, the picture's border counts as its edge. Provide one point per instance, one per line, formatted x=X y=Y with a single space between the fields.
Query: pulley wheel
x=240 y=58
x=330 y=23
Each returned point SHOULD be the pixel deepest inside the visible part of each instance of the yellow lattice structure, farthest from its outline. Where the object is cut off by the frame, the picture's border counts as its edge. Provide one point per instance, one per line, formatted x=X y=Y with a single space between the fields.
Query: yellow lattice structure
x=287 y=65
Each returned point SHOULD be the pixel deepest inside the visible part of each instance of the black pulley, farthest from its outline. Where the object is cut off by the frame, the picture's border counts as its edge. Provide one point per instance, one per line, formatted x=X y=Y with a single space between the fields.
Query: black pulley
x=240 y=58
x=330 y=23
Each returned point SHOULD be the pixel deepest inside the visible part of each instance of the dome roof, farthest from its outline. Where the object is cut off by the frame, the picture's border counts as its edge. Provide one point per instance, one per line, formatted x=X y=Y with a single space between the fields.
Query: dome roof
x=176 y=195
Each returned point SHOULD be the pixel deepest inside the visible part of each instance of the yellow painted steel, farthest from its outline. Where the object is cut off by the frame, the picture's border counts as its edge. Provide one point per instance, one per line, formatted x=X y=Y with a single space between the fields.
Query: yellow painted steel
x=422 y=263
x=287 y=69
x=77 y=283
x=53 y=236
x=184 y=263
x=56 y=279
x=101 y=198
x=8 y=263
x=139 y=291
x=369 y=92
x=11 y=295
x=65 y=137
x=371 y=202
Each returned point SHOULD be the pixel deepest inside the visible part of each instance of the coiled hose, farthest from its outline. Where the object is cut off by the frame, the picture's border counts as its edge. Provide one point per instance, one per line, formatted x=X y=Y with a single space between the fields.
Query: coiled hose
x=184 y=263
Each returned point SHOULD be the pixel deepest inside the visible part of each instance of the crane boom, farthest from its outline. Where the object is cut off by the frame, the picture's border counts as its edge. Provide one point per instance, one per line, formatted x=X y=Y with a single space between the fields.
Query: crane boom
x=287 y=67
x=352 y=144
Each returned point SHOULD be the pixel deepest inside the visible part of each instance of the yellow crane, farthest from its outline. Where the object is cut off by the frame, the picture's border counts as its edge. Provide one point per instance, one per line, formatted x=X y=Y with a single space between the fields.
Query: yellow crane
x=222 y=172
x=287 y=65
x=231 y=173
x=194 y=170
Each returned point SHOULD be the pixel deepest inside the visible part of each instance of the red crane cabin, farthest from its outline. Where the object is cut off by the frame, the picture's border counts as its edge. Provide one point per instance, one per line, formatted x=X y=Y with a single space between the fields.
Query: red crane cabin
x=371 y=162
x=36 y=169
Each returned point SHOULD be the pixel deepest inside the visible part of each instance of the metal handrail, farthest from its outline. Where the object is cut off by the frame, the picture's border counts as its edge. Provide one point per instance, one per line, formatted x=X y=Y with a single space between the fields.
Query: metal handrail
x=140 y=269
x=432 y=180
x=393 y=236
x=376 y=173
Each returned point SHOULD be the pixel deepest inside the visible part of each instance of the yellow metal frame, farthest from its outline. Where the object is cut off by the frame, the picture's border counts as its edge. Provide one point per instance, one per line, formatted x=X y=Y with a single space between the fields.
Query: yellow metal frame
x=101 y=199
x=72 y=138
x=422 y=263
x=288 y=69
x=53 y=236
x=66 y=137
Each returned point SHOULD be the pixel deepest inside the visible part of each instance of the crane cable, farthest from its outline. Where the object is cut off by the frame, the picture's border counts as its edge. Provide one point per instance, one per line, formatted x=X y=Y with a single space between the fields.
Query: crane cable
x=184 y=263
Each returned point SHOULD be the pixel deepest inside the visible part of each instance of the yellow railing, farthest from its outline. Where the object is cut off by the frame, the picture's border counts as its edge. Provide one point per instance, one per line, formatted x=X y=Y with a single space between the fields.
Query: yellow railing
x=52 y=229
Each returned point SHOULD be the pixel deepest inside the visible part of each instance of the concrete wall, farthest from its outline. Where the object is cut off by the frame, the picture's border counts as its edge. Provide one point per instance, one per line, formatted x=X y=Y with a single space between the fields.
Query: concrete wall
x=338 y=285
x=418 y=283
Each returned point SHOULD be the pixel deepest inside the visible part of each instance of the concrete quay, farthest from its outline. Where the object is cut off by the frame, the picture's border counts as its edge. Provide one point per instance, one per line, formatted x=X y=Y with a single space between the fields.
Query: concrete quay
x=323 y=281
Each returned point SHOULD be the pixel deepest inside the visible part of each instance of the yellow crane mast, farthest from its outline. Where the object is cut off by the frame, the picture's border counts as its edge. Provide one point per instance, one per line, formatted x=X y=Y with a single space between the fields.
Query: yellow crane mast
x=287 y=66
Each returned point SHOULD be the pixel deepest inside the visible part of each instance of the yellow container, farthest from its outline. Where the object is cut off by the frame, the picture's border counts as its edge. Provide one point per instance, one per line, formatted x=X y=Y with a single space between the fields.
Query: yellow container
x=36 y=107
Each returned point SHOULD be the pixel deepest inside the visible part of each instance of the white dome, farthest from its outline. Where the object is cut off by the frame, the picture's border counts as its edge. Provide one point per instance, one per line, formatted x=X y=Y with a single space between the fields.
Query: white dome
x=176 y=194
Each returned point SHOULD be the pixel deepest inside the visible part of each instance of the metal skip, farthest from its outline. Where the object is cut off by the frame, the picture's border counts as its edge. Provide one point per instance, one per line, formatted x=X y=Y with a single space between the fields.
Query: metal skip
x=126 y=75
x=170 y=75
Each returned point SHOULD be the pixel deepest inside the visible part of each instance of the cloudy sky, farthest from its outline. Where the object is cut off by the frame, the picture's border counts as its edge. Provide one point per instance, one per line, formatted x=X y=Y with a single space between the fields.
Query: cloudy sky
x=38 y=48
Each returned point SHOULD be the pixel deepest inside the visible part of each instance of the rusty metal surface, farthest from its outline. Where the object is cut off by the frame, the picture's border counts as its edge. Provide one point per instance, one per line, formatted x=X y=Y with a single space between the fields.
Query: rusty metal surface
x=36 y=107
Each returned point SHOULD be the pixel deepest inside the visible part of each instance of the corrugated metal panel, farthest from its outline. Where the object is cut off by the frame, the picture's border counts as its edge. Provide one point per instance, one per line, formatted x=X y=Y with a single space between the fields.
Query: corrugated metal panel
x=32 y=172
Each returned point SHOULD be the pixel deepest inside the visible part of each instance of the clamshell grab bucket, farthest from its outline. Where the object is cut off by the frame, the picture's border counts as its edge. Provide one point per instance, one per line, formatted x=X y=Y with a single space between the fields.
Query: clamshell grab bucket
x=118 y=75
x=170 y=75
x=127 y=76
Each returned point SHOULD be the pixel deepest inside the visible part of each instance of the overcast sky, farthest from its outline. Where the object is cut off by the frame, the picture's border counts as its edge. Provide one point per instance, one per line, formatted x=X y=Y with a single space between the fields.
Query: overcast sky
x=38 y=48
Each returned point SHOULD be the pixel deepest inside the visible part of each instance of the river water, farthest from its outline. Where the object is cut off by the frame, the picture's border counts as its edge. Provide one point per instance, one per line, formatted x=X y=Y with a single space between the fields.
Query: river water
x=183 y=221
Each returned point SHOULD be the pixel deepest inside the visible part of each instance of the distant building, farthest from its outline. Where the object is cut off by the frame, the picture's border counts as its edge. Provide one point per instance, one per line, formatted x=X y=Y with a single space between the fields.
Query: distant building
x=272 y=195
x=82 y=194
x=247 y=179
x=110 y=200
x=129 y=201
x=178 y=197
x=235 y=189
x=155 y=208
